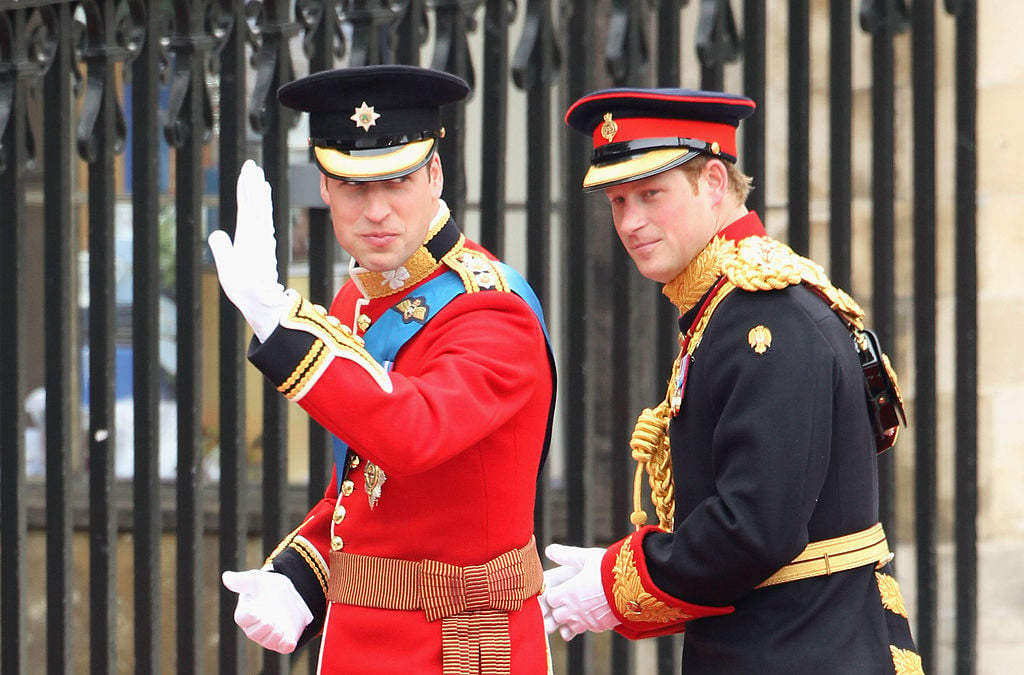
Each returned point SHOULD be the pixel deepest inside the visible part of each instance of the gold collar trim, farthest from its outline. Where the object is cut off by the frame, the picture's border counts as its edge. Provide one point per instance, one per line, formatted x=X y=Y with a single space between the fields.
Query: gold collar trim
x=700 y=275
x=427 y=258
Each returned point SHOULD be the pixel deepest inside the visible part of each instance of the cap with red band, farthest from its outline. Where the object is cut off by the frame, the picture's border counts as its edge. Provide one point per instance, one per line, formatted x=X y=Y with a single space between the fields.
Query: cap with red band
x=641 y=132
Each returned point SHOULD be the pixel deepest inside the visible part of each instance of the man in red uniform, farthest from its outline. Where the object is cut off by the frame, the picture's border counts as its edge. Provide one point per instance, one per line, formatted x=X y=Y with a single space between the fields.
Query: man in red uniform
x=432 y=370
x=762 y=456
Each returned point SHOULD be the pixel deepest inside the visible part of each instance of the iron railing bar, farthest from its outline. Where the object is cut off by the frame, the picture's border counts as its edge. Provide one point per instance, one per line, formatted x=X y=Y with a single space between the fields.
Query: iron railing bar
x=145 y=188
x=882 y=236
x=966 y=372
x=630 y=296
x=189 y=206
x=13 y=547
x=278 y=67
x=234 y=484
x=102 y=308
x=61 y=346
x=924 y=194
x=840 y=142
x=538 y=195
x=799 y=116
x=577 y=440
x=753 y=129
x=494 y=98
x=409 y=33
x=322 y=256
x=451 y=54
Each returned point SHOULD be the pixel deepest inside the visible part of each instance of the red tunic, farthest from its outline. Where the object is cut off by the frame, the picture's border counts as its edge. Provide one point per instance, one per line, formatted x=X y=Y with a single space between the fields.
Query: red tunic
x=459 y=437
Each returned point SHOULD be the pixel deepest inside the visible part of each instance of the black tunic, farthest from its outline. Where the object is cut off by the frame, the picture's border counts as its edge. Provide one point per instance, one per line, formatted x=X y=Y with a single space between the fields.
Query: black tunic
x=771 y=451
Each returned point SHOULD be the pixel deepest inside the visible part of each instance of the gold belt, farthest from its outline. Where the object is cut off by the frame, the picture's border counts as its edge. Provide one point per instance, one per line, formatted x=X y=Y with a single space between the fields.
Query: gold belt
x=839 y=554
x=473 y=602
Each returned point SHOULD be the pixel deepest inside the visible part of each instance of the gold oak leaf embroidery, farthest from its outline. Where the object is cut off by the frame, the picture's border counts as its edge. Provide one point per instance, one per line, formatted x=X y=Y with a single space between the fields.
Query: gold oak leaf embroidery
x=892 y=599
x=906 y=661
x=632 y=600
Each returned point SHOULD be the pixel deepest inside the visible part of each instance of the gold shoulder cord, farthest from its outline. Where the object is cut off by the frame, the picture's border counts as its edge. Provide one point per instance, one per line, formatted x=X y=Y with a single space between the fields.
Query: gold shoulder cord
x=650 y=448
x=755 y=264
x=650 y=442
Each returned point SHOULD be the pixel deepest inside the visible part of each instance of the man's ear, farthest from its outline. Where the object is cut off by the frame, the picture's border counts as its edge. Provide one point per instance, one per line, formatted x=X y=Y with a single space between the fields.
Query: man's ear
x=323 y=190
x=716 y=177
x=436 y=176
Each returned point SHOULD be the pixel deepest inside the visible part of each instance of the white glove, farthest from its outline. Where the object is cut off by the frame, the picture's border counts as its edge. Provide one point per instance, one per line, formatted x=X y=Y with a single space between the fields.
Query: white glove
x=269 y=610
x=247 y=267
x=578 y=604
x=552 y=578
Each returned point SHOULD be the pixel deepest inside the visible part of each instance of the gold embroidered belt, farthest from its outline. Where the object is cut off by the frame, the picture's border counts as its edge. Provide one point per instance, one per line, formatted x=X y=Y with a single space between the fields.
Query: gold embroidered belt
x=839 y=554
x=473 y=602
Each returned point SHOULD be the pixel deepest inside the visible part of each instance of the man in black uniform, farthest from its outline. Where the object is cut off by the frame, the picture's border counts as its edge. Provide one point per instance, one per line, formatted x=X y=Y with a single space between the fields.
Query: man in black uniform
x=761 y=458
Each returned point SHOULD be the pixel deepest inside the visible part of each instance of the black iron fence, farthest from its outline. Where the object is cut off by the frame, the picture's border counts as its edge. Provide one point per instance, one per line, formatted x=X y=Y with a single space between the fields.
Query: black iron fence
x=122 y=127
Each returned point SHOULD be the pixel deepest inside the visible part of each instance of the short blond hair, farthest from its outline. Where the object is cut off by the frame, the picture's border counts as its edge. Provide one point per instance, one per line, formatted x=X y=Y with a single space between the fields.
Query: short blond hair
x=740 y=184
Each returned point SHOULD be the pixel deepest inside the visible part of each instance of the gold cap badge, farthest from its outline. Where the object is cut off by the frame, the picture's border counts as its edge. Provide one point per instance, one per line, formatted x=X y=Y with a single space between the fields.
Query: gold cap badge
x=760 y=339
x=609 y=128
x=365 y=116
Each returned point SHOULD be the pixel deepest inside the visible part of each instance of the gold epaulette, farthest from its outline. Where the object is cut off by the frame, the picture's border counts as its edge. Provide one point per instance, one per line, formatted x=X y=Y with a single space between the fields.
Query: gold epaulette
x=763 y=264
x=477 y=271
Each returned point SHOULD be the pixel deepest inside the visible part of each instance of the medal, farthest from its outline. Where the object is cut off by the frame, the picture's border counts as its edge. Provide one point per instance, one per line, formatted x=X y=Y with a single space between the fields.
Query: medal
x=373 y=478
x=679 y=384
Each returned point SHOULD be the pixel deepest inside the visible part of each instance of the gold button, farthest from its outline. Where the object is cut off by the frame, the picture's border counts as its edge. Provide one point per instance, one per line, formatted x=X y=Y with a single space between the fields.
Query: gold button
x=347 y=487
x=339 y=514
x=363 y=322
x=353 y=461
x=337 y=543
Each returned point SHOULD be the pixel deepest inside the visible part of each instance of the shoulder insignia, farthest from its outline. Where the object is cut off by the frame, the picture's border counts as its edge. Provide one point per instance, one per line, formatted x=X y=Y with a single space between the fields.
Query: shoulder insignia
x=632 y=601
x=906 y=662
x=763 y=263
x=477 y=271
x=892 y=598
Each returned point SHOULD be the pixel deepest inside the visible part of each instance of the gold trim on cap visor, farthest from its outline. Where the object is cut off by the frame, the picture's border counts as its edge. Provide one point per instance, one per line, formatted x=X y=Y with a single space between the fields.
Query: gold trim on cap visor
x=647 y=164
x=395 y=163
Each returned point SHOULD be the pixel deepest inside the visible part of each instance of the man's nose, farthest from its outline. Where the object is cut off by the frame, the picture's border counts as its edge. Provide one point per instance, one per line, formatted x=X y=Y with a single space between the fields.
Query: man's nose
x=630 y=219
x=377 y=206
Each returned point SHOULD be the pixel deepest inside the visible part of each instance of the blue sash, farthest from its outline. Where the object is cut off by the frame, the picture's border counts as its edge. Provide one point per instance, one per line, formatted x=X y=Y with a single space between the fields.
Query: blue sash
x=389 y=333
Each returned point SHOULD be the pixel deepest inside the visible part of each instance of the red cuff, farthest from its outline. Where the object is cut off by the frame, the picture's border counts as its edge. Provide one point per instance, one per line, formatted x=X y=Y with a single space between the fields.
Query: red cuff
x=644 y=609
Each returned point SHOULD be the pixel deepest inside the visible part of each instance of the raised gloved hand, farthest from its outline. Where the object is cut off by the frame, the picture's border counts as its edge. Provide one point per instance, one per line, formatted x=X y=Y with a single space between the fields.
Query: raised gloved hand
x=576 y=601
x=247 y=267
x=269 y=610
